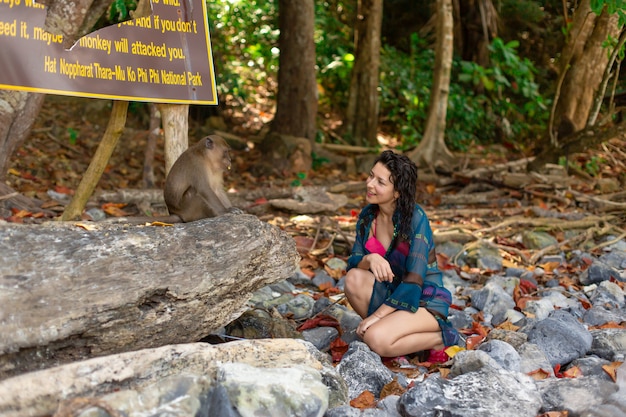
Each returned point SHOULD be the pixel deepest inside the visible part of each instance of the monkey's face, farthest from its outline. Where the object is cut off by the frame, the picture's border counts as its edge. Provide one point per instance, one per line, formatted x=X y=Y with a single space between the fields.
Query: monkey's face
x=216 y=145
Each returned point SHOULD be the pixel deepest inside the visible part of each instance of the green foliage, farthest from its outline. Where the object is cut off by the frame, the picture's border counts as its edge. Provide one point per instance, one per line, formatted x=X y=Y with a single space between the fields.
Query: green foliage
x=593 y=166
x=244 y=39
x=334 y=51
x=508 y=90
x=73 y=135
x=300 y=176
x=405 y=81
x=612 y=6
x=483 y=102
x=119 y=10
x=318 y=161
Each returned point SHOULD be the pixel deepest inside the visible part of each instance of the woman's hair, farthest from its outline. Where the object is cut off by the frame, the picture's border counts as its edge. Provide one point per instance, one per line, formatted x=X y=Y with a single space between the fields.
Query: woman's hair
x=404 y=179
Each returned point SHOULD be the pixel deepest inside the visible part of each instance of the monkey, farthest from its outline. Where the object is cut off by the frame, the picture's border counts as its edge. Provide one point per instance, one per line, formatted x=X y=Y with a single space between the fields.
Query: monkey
x=194 y=187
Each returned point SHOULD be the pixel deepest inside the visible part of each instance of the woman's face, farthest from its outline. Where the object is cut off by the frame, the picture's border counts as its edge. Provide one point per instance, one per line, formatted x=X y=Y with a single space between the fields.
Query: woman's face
x=380 y=189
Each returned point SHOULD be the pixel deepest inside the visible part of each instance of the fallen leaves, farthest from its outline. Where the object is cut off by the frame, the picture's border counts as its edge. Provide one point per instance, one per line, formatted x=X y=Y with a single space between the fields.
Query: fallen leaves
x=365 y=400
x=611 y=369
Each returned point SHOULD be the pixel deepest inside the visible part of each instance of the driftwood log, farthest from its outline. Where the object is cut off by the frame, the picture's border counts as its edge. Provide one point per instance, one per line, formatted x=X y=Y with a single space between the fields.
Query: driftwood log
x=71 y=291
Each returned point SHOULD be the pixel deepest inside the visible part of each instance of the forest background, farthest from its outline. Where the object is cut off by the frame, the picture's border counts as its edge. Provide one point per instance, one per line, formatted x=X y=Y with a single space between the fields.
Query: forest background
x=440 y=80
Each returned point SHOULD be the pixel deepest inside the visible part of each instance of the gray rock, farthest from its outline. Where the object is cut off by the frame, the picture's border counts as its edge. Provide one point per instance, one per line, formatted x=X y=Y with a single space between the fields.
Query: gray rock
x=389 y=404
x=185 y=368
x=504 y=354
x=363 y=370
x=450 y=248
x=615 y=405
x=574 y=394
x=615 y=259
x=540 y=308
x=597 y=316
x=460 y=319
x=609 y=344
x=299 y=307
x=598 y=272
x=512 y=338
x=561 y=337
x=608 y=294
x=321 y=278
x=485 y=393
x=343 y=411
x=283 y=391
x=484 y=257
x=533 y=359
x=320 y=337
x=592 y=366
x=467 y=361
x=492 y=299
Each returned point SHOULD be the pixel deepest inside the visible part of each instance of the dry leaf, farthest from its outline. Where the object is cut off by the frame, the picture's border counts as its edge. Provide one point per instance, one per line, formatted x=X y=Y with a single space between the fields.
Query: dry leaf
x=162 y=224
x=573 y=372
x=392 y=388
x=539 y=374
x=507 y=325
x=612 y=369
x=87 y=226
x=363 y=401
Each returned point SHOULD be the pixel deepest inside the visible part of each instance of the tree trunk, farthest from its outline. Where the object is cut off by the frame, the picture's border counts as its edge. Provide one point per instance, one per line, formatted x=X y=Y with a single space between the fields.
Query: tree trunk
x=99 y=162
x=296 y=101
x=175 y=119
x=476 y=26
x=72 y=291
x=151 y=145
x=18 y=111
x=582 y=66
x=362 y=112
x=432 y=150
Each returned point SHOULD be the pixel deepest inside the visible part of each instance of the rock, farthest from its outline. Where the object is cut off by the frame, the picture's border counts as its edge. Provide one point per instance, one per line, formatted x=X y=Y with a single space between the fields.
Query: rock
x=503 y=353
x=597 y=272
x=484 y=393
x=574 y=394
x=278 y=391
x=561 y=337
x=494 y=300
x=81 y=290
x=363 y=370
x=532 y=359
x=609 y=344
x=200 y=370
x=320 y=337
x=538 y=240
x=484 y=257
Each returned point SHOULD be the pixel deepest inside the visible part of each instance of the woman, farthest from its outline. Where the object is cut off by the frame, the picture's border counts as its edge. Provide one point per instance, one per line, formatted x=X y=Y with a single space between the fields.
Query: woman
x=393 y=281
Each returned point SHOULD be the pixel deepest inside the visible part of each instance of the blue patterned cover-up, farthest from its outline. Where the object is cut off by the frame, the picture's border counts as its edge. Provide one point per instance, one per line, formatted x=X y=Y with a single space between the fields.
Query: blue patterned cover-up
x=417 y=279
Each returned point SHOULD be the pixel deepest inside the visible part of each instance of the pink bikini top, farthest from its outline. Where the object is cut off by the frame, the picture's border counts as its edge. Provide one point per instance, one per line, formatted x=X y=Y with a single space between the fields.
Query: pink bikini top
x=374 y=246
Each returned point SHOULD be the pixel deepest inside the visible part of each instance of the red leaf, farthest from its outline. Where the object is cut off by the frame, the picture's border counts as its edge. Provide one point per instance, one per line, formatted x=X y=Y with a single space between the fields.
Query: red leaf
x=319 y=321
x=337 y=349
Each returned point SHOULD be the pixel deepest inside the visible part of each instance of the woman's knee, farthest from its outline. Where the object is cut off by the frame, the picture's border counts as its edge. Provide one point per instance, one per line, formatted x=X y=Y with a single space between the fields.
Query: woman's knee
x=377 y=340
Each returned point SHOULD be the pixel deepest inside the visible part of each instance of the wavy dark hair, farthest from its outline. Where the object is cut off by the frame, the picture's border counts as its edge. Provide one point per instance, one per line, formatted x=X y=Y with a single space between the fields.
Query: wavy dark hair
x=404 y=179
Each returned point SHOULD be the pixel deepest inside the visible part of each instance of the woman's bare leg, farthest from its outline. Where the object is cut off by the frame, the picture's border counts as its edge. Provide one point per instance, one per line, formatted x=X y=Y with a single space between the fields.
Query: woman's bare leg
x=403 y=332
x=399 y=333
x=358 y=289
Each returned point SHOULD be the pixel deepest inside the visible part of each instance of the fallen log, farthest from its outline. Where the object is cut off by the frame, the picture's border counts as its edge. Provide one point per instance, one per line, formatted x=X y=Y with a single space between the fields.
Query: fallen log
x=71 y=291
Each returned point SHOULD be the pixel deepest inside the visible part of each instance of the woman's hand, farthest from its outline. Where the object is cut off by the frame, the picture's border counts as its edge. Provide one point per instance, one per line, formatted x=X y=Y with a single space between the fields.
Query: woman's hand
x=380 y=267
x=365 y=324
